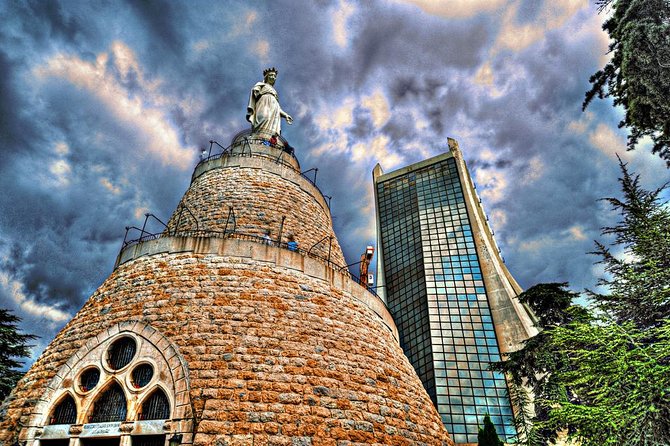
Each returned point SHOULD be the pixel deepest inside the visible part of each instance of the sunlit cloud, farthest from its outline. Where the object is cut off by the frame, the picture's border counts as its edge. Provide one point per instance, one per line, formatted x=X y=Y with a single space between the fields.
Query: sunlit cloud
x=340 y=17
x=608 y=141
x=61 y=148
x=245 y=26
x=250 y=18
x=125 y=61
x=552 y=15
x=498 y=218
x=333 y=123
x=581 y=125
x=536 y=244
x=378 y=106
x=577 y=232
x=201 y=45
x=262 y=49
x=137 y=111
x=492 y=184
x=534 y=171
x=574 y=233
x=140 y=212
x=377 y=149
x=107 y=184
x=485 y=77
x=61 y=171
x=339 y=118
x=457 y=8
x=14 y=290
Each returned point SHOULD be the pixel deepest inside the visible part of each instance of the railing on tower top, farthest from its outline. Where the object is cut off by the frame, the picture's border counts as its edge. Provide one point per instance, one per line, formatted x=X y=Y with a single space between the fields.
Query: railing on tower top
x=245 y=138
x=145 y=236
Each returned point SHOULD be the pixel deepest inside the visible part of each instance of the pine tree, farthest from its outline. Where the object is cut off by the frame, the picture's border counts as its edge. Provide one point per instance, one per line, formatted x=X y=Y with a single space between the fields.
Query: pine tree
x=639 y=287
x=487 y=435
x=540 y=365
x=13 y=346
x=602 y=374
x=638 y=74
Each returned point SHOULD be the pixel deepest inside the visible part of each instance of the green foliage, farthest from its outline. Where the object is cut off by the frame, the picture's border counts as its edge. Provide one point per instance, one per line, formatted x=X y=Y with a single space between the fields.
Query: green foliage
x=539 y=365
x=602 y=375
x=620 y=377
x=13 y=345
x=487 y=435
x=638 y=74
x=521 y=399
x=639 y=290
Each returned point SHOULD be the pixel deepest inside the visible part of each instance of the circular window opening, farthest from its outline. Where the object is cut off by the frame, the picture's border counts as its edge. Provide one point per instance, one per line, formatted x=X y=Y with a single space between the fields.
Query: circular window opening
x=142 y=375
x=121 y=352
x=89 y=379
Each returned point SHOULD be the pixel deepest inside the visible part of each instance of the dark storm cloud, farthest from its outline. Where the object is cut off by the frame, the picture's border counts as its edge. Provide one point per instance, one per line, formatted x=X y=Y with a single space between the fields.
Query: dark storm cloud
x=405 y=43
x=362 y=126
x=13 y=130
x=45 y=21
x=161 y=20
x=530 y=120
x=58 y=249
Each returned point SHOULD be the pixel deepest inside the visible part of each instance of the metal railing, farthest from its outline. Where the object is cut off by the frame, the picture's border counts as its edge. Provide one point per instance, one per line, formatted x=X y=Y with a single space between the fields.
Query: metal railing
x=245 y=140
x=204 y=233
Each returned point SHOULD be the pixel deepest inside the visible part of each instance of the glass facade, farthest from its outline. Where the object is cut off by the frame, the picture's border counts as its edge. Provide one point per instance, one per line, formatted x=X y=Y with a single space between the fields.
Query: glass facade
x=438 y=299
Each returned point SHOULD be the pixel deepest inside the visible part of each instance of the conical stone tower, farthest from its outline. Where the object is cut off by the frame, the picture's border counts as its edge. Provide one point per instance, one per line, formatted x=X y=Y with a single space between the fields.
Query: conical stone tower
x=211 y=334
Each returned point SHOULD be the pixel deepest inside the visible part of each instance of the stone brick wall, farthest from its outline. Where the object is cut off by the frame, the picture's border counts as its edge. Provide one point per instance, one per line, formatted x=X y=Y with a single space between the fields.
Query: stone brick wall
x=260 y=191
x=274 y=355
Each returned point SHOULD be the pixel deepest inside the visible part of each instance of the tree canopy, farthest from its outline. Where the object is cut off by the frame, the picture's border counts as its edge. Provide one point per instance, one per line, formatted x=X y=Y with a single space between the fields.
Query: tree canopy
x=13 y=346
x=638 y=75
x=601 y=374
x=487 y=435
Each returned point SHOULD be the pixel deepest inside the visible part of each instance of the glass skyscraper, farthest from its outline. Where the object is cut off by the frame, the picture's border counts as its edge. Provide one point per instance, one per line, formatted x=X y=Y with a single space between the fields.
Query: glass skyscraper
x=432 y=238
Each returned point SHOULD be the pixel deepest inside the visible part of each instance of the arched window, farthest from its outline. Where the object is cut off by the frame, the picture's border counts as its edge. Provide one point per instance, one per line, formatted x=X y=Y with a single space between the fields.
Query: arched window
x=65 y=412
x=116 y=376
x=155 y=407
x=89 y=379
x=121 y=352
x=110 y=406
x=142 y=375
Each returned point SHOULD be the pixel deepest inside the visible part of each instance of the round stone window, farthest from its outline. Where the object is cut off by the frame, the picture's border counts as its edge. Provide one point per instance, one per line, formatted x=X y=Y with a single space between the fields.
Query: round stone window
x=142 y=375
x=121 y=352
x=89 y=379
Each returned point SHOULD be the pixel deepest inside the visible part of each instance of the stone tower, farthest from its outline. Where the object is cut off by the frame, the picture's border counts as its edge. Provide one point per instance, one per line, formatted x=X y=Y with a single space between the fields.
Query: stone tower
x=216 y=333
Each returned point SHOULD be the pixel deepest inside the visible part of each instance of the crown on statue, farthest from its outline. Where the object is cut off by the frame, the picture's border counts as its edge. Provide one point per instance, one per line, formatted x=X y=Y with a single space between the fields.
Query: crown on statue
x=269 y=70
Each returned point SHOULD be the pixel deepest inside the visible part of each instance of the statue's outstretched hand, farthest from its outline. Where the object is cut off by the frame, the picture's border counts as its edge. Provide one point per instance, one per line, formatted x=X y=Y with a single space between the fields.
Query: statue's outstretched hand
x=289 y=119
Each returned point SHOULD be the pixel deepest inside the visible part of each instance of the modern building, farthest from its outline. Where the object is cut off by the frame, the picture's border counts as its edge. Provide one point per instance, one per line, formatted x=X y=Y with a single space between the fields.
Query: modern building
x=214 y=333
x=448 y=290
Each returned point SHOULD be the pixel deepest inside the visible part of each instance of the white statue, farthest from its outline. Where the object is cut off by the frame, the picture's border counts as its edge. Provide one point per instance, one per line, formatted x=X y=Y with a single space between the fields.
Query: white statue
x=263 y=111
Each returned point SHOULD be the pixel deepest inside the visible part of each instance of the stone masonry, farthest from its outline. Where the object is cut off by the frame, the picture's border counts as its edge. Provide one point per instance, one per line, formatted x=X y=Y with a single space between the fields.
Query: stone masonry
x=253 y=344
x=261 y=195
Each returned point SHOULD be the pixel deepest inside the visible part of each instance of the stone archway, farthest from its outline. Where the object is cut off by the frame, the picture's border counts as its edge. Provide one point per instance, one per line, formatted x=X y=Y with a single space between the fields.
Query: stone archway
x=132 y=358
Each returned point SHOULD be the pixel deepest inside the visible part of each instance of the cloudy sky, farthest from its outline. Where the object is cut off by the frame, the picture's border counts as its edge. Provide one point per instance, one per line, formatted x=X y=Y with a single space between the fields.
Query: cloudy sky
x=105 y=106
